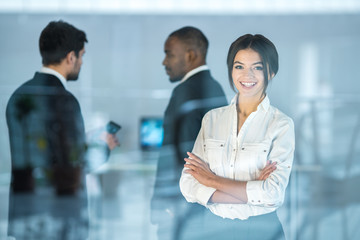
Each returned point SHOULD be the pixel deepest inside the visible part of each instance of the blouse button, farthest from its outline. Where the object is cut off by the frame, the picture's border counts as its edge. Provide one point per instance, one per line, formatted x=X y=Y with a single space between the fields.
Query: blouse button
x=242 y=148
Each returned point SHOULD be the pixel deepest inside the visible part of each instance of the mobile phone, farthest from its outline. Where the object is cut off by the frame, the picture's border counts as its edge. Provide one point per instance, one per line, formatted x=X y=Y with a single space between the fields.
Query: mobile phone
x=112 y=127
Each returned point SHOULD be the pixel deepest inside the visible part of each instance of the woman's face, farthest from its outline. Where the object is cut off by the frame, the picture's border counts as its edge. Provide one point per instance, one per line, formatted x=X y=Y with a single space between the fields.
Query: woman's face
x=248 y=74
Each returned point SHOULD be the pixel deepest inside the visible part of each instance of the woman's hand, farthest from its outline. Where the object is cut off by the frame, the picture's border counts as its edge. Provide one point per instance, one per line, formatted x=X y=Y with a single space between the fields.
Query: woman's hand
x=199 y=169
x=268 y=169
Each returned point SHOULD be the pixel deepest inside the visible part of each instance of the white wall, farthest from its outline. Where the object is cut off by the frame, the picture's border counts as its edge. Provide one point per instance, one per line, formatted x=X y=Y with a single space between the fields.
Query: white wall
x=122 y=77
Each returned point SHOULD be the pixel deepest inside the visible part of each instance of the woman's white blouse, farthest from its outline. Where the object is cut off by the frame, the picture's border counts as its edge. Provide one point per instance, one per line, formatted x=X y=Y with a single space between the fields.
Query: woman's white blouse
x=267 y=134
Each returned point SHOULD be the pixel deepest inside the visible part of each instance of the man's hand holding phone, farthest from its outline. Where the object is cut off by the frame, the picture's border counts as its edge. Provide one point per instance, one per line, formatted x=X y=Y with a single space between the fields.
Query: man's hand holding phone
x=109 y=136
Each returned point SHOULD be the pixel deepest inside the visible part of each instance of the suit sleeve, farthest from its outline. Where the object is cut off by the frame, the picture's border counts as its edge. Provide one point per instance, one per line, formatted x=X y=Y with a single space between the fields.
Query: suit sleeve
x=68 y=129
x=188 y=120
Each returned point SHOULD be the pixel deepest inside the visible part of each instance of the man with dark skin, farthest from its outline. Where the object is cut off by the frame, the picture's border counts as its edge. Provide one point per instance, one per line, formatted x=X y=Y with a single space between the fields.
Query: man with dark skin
x=185 y=62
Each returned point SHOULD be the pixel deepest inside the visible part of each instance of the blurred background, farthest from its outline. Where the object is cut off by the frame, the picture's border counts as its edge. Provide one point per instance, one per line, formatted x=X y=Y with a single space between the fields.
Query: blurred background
x=122 y=79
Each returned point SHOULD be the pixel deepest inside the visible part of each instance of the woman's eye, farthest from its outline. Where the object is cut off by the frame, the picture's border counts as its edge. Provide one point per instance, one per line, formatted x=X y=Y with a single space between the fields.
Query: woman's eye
x=259 y=68
x=238 y=67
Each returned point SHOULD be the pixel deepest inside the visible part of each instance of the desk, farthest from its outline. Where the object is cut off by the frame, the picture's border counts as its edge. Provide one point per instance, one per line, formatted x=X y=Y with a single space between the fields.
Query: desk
x=118 y=195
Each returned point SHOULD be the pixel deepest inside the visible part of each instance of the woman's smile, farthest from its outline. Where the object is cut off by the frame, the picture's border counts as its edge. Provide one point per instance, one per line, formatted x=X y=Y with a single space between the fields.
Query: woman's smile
x=248 y=84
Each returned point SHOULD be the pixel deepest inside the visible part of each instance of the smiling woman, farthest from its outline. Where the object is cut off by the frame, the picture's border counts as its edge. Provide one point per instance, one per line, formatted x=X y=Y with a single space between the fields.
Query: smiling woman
x=257 y=51
x=241 y=161
x=248 y=74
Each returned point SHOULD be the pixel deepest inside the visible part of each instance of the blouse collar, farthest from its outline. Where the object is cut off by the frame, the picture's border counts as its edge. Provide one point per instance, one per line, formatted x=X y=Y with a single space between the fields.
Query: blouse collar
x=264 y=104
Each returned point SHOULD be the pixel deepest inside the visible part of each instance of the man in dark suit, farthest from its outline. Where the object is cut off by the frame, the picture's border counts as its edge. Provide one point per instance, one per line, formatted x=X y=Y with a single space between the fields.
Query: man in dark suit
x=198 y=92
x=46 y=131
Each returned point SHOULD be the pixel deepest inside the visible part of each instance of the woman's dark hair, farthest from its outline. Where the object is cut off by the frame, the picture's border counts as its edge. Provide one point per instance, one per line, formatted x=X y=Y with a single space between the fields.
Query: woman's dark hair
x=58 y=39
x=259 y=44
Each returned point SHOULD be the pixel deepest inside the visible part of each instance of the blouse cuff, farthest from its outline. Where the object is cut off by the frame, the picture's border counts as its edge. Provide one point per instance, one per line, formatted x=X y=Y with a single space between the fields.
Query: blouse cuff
x=204 y=194
x=253 y=190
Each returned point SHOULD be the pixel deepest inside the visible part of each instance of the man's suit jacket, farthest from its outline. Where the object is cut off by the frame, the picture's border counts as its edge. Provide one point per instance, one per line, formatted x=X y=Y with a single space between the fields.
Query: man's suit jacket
x=46 y=129
x=51 y=118
x=189 y=102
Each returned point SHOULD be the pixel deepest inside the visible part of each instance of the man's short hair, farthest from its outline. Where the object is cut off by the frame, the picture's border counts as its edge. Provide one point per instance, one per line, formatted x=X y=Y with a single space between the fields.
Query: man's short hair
x=58 y=39
x=192 y=37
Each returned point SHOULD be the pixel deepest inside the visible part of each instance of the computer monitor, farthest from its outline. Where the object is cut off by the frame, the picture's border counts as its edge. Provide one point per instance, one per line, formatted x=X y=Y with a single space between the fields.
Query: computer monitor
x=151 y=133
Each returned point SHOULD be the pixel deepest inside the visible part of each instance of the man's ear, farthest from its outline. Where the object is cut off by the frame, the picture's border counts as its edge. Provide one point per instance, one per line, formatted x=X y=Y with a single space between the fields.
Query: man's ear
x=191 y=55
x=70 y=57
